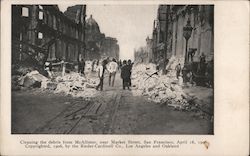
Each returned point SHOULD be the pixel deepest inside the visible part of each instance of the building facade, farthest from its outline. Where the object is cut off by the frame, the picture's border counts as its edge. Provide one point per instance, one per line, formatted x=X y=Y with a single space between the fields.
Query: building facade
x=97 y=44
x=43 y=33
x=94 y=39
x=110 y=48
x=144 y=54
x=168 y=31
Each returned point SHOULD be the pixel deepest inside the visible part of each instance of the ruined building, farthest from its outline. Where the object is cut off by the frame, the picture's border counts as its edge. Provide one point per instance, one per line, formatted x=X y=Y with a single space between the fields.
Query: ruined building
x=144 y=54
x=99 y=46
x=110 y=48
x=168 y=37
x=43 y=33
x=94 y=38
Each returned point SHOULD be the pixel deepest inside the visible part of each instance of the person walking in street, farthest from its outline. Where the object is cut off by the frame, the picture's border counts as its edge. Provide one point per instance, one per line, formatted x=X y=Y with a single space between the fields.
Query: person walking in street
x=112 y=69
x=178 y=70
x=81 y=66
x=120 y=64
x=105 y=63
x=125 y=75
x=130 y=65
x=100 y=71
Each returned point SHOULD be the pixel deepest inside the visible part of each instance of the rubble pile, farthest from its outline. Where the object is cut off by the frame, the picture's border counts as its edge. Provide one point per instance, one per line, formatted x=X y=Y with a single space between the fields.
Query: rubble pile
x=72 y=83
x=17 y=73
x=173 y=62
x=88 y=66
x=32 y=79
x=159 y=88
x=76 y=85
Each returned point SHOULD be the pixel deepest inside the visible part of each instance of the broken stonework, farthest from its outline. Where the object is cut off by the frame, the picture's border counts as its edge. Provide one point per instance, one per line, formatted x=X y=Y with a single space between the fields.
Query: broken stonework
x=76 y=85
x=157 y=87
x=31 y=79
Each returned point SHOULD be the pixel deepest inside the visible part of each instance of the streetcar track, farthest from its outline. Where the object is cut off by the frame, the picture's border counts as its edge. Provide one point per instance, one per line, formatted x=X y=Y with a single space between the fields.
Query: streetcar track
x=84 y=116
x=49 y=123
x=78 y=110
x=116 y=105
x=51 y=120
x=74 y=126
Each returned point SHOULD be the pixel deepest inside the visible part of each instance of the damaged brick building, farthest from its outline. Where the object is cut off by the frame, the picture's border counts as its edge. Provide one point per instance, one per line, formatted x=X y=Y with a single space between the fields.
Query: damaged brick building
x=168 y=31
x=43 y=33
x=98 y=45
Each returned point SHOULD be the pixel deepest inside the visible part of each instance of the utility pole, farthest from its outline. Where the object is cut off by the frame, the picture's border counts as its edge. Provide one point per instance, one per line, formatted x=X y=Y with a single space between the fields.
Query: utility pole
x=166 y=42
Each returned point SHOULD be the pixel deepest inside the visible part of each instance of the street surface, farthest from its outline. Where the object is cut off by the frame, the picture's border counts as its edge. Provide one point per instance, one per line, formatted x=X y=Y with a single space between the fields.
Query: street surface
x=113 y=111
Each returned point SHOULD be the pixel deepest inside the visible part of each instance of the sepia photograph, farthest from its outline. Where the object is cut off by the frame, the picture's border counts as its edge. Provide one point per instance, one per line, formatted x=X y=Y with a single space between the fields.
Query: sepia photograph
x=112 y=69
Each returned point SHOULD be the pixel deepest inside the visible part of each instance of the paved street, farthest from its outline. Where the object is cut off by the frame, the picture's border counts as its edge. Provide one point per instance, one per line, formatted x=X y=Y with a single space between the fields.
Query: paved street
x=113 y=111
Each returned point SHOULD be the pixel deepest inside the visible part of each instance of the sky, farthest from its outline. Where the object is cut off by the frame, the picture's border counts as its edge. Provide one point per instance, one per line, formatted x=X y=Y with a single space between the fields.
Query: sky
x=129 y=24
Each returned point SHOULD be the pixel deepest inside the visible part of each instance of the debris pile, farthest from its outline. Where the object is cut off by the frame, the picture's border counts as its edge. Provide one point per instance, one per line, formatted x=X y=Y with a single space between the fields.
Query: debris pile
x=32 y=79
x=88 y=66
x=74 y=84
x=173 y=62
x=159 y=88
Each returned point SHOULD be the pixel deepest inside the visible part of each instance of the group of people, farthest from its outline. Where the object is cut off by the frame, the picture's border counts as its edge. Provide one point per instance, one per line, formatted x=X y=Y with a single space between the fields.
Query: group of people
x=201 y=72
x=112 y=67
x=126 y=71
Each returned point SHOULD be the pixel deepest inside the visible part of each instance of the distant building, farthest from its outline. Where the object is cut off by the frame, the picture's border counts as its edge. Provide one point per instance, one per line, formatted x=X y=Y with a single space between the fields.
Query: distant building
x=110 y=48
x=172 y=41
x=43 y=32
x=93 y=39
x=99 y=46
x=144 y=53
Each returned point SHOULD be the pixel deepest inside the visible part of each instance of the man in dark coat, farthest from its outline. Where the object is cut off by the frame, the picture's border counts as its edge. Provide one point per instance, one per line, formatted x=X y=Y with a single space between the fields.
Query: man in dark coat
x=81 y=66
x=125 y=75
x=130 y=65
x=105 y=62
x=178 y=70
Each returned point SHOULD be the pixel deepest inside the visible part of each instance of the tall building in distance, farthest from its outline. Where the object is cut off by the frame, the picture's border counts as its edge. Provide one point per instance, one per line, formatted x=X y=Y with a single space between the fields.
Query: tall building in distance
x=98 y=45
x=110 y=48
x=94 y=38
x=144 y=53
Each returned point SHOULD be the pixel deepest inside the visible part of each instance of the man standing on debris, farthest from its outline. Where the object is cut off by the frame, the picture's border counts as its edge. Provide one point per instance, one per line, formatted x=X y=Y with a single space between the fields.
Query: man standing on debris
x=178 y=70
x=81 y=66
x=100 y=71
x=191 y=53
x=125 y=74
x=48 y=68
x=112 y=68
